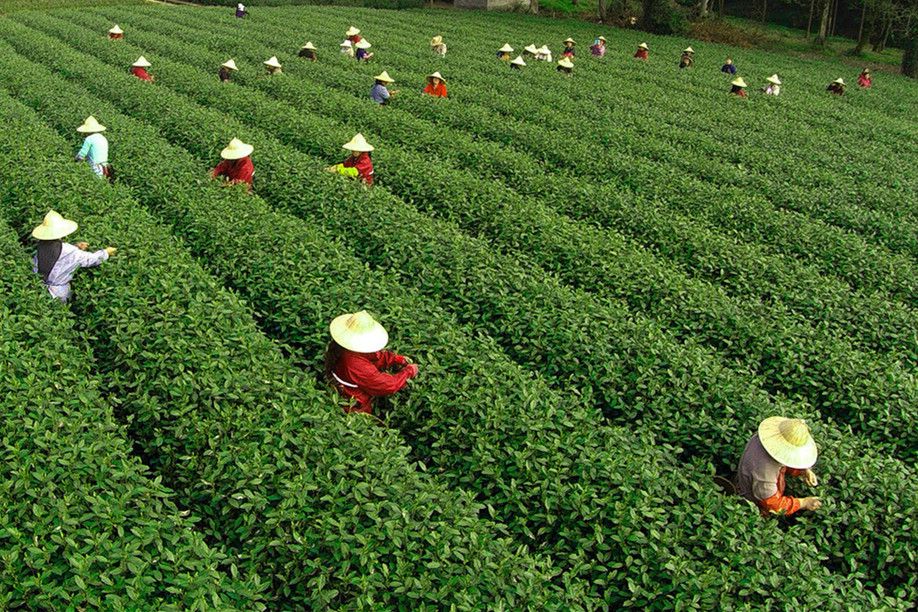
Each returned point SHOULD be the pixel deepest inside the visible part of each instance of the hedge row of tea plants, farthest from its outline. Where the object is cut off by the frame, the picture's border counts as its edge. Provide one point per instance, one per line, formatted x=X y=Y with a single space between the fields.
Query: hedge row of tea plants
x=717 y=426
x=621 y=528
x=326 y=510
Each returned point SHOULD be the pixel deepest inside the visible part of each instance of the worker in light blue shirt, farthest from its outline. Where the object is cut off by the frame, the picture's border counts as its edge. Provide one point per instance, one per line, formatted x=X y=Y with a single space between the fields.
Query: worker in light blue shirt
x=95 y=147
x=380 y=93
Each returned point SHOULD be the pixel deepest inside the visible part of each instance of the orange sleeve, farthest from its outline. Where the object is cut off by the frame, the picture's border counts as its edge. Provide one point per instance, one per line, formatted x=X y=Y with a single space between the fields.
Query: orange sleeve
x=780 y=504
x=796 y=473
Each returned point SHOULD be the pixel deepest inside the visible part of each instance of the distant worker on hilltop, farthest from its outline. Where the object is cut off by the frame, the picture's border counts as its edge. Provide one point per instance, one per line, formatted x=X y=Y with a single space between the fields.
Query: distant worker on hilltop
x=139 y=69
x=774 y=86
x=643 y=52
x=356 y=362
x=359 y=165
x=438 y=46
x=864 y=79
x=308 y=51
x=436 y=85
x=782 y=447
x=688 y=58
x=598 y=48
x=237 y=167
x=837 y=87
x=568 y=50
x=729 y=67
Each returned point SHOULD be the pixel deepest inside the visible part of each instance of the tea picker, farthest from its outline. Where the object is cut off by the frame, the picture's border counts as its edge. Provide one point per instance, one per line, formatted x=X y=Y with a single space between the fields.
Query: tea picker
x=781 y=447
x=598 y=48
x=272 y=65
x=353 y=35
x=362 y=54
x=438 y=46
x=568 y=51
x=688 y=58
x=308 y=51
x=643 y=52
x=837 y=87
x=241 y=11
x=773 y=88
x=116 y=33
x=95 y=148
x=565 y=66
x=503 y=54
x=436 y=85
x=864 y=80
x=236 y=167
x=227 y=69
x=738 y=87
x=356 y=364
x=729 y=67
x=380 y=92
x=139 y=69
x=359 y=164
x=57 y=261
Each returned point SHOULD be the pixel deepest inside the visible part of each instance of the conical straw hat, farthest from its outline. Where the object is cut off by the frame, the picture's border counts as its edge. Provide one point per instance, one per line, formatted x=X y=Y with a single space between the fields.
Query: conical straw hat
x=236 y=150
x=272 y=62
x=352 y=31
x=774 y=79
x=358 y=143
x=346 y=43
x=436 y=40
x=531 y=49
x=602 y=38
x=436 y=75
x=309 y=46
x=384 y=77
x=643 y=46
x=565 y=63
x=570 y=40
x=789 y=442
x=506 y=48
x=688 y=50
x=359 y=332
x=141 y=63
x=739 y=82
x=840 y=81
x=363 y=44
x=54 y=227
x=545 y=50
x=865 y=71
x=229 y=64
x=90 y=126
x=116 y=30
x=518 y=61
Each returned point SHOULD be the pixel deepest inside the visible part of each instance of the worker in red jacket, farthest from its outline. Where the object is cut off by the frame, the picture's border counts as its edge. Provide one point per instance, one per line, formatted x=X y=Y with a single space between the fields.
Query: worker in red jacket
x=436 y=85
x=643 y=52
x=359 y=165
x=782 y=447
x=353 y=35
x=356 y=363
x=237 y=166
x=139 y=69
x=864 y=80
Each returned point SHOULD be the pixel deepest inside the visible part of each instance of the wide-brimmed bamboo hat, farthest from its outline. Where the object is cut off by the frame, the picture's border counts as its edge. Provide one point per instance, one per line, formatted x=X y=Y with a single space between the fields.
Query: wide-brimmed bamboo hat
x=436 y=75
x=54 y=227
x=865 y=71
x=839 y=80
x=230 y=64
x=352 y=31
x=359 y=144
x=570 y=40
x=739 y=82
x=789 y=442
x=359 y=332
x=545 y=50
x=116 y=30
x=602 y=38
x=272 y=62
x=309 y=46
x=688 y=50
x=363 y=44
x=384 y=77
x=643 y=46
x=236 y=150
x=141 y=63
x=91 y=126
x=346 y=43
x=518 y=60
x=531 y=49
x=774 y=79
x=565 y=63
x=506 y=48
x=436 y=40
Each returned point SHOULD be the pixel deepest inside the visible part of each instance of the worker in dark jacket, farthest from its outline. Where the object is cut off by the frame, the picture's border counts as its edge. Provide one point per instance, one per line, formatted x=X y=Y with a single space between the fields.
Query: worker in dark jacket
x=356 y=362
x=782 y=447
x=729 y=67
x=380 y=92
x=738 y=87
x=837 y=87
x=568 y=50
x=688 y=58
x=227 y=69
x=308 y=51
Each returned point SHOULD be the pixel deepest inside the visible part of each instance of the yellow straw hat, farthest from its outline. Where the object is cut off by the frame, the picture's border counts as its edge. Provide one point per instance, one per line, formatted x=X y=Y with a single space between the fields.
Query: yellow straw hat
x=359 y=332
x=865 y=71
x=436 y=75
x=359 y=144
x=309 y=46
x=565 y=63
x=506 y=48
x=602 y=38
x=346 y=43
x=272 y=62
x=570 y=40
x=436 y=40
x=643 y=46
x=545 y=50
x=688 y=50
x=518 y=61
x=229 y=64
x=352 y=31
x=774 y=79
x=141 y=63
x=236 y=150
x=531 y=49
x=384 y=77
x=54 y=227
x=739 y=82
x=116 y=30
x=91 y=126
x=789 y=442
x=363 y=44
x=839 y=80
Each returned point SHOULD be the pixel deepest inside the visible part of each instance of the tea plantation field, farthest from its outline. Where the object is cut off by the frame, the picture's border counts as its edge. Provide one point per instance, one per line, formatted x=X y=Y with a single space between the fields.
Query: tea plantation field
x=607 y=280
